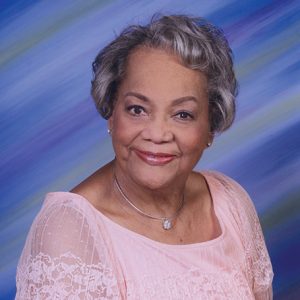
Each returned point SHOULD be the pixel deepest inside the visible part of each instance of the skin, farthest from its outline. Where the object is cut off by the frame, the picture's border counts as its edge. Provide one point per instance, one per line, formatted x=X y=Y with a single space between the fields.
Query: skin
x=159 y=130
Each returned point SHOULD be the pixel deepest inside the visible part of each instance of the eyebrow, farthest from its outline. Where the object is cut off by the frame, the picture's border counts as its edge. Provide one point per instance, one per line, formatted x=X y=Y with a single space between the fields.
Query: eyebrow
x=177 y=101
x=137 y=95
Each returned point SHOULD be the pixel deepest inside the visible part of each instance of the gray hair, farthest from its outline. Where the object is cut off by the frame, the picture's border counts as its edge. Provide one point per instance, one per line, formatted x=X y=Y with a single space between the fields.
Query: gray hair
x=200 y=46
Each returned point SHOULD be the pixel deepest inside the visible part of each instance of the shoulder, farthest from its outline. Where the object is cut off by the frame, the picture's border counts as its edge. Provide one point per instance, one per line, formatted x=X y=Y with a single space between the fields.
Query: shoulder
x=58 y=201
x=58 y=206
x=226 y=194
x=221 y=180
x=221 y=187
x=96 y=189
x=226 y=187
x=233 y=199
x=64 y=250
x=65 y=222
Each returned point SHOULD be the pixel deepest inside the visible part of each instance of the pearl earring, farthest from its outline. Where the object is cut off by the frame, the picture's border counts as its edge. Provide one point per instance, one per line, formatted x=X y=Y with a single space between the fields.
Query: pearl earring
x=109 y=131
x=208 y=144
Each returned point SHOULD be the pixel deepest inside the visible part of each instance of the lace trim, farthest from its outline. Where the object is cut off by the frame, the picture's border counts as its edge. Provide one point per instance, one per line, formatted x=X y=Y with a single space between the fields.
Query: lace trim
x=65 y=277
x=193 y=284
x=258 y=263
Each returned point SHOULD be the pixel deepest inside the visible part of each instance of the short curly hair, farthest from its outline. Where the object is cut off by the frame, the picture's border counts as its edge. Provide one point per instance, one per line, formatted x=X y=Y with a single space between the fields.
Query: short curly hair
x=200 y=46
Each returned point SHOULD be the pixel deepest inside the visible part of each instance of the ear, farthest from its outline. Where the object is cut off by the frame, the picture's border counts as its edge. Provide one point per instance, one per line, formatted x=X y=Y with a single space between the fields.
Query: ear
x=210 y=139
x=110 y=122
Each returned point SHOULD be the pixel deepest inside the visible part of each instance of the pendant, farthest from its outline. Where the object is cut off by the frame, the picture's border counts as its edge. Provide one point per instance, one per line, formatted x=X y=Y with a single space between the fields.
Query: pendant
x=166 y=224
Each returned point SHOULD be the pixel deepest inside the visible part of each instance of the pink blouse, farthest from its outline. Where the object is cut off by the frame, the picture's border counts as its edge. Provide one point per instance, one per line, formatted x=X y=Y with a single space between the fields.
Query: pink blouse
x=73 y=251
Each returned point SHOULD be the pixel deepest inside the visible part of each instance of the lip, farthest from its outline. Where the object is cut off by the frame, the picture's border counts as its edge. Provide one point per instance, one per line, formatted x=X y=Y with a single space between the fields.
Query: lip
x=155 y=159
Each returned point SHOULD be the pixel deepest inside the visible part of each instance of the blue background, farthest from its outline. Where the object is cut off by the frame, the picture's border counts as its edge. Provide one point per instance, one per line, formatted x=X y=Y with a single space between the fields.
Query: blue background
x=52 y=137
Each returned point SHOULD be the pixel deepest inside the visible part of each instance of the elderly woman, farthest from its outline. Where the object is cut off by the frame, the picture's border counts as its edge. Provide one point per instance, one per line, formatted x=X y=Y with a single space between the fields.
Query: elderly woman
x=146 y=226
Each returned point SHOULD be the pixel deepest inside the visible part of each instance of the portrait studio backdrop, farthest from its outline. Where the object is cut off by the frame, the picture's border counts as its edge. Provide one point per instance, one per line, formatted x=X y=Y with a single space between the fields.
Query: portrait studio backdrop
x=52 y=137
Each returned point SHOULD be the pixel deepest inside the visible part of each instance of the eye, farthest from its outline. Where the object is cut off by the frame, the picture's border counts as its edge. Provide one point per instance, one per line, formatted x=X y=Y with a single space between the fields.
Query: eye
x=136 y=110
x=184 y=115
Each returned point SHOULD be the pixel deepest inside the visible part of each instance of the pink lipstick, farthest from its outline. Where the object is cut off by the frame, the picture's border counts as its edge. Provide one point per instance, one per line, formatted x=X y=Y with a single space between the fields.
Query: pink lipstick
x=155 y=159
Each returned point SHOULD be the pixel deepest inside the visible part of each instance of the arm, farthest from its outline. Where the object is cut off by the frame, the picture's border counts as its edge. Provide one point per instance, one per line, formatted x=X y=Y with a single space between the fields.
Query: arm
x=257 y=261
x=63 y=260
x=258 y=264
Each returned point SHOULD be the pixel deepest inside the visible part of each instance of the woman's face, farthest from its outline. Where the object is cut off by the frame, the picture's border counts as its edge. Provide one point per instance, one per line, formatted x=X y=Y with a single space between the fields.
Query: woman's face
x=160 y=123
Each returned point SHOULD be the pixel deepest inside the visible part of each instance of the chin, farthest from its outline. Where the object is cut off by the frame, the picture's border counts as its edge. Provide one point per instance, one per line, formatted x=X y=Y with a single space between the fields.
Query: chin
x=154 y=178
x=155 y=184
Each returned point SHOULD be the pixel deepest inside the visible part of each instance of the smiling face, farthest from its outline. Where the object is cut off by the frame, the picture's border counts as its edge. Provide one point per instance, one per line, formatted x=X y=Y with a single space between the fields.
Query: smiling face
x=160 y=123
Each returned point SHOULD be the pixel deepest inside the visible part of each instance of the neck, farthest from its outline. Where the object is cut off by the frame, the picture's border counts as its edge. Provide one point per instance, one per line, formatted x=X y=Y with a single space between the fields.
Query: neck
x=163 y=201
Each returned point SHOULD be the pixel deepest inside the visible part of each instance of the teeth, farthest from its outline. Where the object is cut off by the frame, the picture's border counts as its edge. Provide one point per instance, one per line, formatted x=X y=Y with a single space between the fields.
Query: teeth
x=152 y=158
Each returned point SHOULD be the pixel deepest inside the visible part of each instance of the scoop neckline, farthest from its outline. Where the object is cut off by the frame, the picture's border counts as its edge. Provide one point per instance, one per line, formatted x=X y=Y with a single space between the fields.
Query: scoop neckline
x=119 y=227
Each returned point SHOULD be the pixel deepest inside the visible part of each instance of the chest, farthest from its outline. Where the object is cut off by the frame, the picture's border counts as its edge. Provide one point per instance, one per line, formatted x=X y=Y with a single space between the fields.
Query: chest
x=153 y=270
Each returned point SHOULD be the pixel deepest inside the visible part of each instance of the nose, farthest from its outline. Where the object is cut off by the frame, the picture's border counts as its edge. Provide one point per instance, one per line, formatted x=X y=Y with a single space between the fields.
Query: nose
x=158 y=131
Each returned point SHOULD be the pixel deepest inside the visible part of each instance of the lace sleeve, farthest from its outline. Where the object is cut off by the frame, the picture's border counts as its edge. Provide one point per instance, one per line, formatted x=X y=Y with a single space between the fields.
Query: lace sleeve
x=258 y=264
x=62 y=259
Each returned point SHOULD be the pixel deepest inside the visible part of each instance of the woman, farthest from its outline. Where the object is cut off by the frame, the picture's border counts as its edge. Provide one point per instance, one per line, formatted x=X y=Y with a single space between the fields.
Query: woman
x=146 y=226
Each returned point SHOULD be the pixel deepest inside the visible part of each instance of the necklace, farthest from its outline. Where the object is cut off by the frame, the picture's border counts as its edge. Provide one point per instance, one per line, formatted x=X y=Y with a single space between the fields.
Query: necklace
x=166 y=221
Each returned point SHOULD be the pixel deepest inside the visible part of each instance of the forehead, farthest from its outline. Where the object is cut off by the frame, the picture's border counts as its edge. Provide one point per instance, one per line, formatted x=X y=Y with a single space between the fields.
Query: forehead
x=157 y=71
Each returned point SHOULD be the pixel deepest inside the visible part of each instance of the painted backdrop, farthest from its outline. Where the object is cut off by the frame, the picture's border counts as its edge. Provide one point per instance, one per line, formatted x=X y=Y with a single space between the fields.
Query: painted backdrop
x=51 y=136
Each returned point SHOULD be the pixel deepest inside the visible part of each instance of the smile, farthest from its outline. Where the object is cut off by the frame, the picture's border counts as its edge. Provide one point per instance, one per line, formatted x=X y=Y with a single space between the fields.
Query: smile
x=155 y=159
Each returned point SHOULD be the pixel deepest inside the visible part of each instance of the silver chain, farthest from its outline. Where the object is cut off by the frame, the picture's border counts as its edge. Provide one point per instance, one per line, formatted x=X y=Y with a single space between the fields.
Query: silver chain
x=166 y=221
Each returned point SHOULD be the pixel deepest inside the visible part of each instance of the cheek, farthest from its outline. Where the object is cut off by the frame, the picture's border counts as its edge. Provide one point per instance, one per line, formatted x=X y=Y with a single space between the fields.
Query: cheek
x=123 y=131
x=194 y=141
